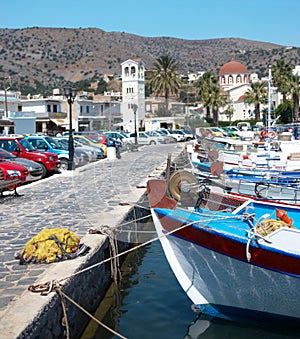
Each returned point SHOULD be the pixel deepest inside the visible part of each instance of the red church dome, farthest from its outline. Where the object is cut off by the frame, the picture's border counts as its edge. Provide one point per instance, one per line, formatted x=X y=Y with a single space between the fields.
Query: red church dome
x=233 y=67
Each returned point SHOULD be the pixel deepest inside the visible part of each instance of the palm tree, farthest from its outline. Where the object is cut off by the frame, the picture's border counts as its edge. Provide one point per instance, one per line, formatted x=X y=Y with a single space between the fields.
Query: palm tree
x=295 y=91
x=281 y=74
x=218 y=99
x=207 y=90
x=257 y=95
x=164 y=79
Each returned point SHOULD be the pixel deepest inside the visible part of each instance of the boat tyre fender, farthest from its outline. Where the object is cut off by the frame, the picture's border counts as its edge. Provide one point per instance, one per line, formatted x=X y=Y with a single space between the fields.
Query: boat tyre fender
x=261 y=190
x=272 y=135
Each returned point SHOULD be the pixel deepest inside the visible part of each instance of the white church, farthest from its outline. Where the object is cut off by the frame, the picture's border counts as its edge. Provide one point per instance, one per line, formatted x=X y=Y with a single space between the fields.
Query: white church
x=235 y=79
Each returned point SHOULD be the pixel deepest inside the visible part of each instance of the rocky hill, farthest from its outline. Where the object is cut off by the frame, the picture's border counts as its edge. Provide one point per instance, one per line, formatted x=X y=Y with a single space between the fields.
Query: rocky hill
x=51 y=56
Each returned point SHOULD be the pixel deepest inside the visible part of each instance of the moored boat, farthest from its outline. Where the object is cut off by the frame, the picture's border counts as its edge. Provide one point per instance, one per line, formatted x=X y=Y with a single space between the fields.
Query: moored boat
x=242 y=262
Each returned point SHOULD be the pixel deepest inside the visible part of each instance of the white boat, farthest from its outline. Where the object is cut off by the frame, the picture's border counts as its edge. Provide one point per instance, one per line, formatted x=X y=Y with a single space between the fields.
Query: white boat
x=239 y=264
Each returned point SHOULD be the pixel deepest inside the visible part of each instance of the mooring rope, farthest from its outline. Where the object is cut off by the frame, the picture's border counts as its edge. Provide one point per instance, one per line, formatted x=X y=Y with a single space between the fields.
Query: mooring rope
x=50 y=286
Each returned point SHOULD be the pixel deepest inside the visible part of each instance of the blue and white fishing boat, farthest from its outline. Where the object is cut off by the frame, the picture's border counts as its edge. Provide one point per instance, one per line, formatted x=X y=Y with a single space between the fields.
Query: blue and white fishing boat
x=235 y=263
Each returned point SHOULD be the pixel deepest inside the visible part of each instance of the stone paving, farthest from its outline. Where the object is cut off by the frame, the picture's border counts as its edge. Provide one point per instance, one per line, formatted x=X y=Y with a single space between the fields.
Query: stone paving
x=78 y=200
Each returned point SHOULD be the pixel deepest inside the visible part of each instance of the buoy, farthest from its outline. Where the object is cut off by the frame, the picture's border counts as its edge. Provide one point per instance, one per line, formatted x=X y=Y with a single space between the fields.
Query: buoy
x=282 y=215
x=272 y=135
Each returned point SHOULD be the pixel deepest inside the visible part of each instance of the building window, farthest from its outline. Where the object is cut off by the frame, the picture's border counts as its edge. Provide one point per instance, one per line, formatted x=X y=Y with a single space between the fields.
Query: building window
x=55 y=108
x=48 y=108
x=132 y=71
x=126 y=71
x=230 y=80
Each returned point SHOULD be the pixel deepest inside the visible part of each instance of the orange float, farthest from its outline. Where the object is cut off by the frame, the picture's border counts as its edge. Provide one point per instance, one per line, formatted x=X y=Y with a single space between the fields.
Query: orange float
x=272 y=135
x=264 y=133
x=282 y=215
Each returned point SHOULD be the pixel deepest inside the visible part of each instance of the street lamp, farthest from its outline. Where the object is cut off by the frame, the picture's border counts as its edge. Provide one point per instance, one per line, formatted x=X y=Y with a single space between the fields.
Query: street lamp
x=70 y=93
x=135 y=107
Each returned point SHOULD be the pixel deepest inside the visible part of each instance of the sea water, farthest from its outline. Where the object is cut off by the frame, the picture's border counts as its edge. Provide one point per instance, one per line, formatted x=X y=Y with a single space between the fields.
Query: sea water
x=150 y=304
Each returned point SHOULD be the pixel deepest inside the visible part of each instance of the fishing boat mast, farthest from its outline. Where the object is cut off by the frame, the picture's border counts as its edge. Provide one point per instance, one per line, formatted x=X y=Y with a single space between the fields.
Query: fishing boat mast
x=269 y=100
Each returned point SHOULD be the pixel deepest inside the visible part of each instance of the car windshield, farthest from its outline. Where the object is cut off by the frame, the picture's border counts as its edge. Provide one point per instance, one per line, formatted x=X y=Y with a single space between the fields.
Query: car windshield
x=27 y=145
x=84 y=141
x=6 y=155
x=54 y=144
x=63 y=143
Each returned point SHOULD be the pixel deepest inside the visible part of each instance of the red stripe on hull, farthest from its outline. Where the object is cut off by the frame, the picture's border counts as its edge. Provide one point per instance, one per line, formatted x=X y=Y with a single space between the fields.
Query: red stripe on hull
x=207 y=238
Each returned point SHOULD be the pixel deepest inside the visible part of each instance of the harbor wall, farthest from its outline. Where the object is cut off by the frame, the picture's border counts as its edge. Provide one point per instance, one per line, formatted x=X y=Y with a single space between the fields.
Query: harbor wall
x=43 y=316
x=87 y=288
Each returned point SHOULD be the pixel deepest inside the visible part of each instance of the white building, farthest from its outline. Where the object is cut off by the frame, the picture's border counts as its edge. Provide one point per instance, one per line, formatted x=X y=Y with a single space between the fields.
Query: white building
x=235 y=79
x=133 y=94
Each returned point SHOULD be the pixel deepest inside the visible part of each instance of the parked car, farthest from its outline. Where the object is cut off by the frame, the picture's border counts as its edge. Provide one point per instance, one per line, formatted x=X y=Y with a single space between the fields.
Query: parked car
x=168 y=138
x=12 y=175
x=144 y=139
x=35 y=169
x=48 y=144
x=118 y=136
x=88 y=141
x=161 y=139
x=177 y=136
x=87 y=154
x=21 y=148
x=186 y=134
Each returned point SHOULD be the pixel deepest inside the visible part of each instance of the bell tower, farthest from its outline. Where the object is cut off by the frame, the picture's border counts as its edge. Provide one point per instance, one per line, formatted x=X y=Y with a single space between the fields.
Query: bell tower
x=133 y=94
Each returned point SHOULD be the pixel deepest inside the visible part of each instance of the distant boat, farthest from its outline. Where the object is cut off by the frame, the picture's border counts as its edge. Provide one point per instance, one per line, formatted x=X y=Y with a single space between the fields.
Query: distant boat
x=234 y=263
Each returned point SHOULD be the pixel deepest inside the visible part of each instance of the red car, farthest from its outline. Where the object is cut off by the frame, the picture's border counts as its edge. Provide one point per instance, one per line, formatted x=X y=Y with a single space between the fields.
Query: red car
x=21 y=148
x=12 y=175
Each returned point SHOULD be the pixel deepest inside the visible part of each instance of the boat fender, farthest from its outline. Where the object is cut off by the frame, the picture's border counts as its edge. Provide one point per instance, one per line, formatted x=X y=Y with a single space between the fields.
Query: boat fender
x=272 y=135
x=282 y=215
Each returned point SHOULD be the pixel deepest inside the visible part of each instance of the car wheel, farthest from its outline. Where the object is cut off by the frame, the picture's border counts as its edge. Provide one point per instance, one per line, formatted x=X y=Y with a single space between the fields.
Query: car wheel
x=44 y=170
x=63 y=164
x=152 y=142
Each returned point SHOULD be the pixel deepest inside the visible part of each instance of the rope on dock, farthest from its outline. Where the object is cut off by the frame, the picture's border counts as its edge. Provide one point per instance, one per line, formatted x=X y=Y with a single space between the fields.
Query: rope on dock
x=113 y=251
x=55 y=286
x=50 y=286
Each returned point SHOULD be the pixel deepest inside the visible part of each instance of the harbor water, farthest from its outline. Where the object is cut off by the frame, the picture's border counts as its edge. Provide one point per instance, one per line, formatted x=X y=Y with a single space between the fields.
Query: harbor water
x=149 y=303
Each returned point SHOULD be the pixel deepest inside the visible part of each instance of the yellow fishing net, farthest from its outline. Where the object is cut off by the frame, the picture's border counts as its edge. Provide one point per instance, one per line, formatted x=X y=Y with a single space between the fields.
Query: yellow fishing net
x=50 y=245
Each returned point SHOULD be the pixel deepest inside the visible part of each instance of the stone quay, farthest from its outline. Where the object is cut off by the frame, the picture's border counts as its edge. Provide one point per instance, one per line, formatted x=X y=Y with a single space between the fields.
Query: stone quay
x=100 y=194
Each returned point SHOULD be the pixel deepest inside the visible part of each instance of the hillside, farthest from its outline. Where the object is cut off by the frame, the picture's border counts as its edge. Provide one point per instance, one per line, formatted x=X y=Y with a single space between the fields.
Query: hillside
x=51 y=56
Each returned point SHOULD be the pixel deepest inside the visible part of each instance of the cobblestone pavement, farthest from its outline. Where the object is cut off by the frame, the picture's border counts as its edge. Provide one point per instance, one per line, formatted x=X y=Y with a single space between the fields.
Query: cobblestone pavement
x=77 y=200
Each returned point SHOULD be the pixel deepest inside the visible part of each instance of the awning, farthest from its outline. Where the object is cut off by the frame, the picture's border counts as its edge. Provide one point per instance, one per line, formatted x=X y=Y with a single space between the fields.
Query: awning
x=4 y=123
x=61 y=122
x=123 y=123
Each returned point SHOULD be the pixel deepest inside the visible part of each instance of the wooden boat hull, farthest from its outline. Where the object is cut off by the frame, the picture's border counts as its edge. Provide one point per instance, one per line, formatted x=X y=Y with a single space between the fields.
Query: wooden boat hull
x=214 y=269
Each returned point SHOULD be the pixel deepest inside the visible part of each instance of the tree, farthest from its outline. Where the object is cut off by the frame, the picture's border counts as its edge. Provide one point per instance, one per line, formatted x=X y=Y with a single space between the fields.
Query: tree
x=206 y=90
x=295 y=91
x=257 y=95
x=164 y=79
x=284 y=110
x=218 y=99
x=281 y=76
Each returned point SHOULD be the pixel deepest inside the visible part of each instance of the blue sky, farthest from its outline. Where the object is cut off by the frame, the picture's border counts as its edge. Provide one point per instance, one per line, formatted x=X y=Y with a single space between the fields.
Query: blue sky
x=275 y=21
